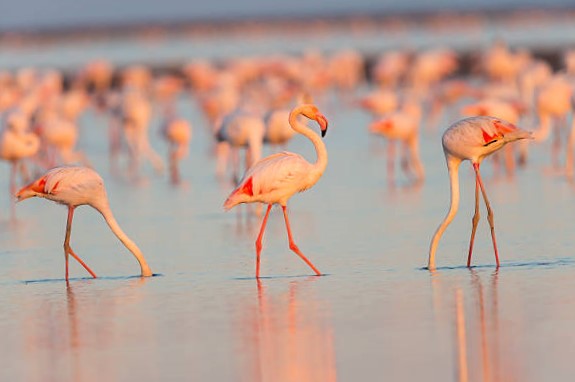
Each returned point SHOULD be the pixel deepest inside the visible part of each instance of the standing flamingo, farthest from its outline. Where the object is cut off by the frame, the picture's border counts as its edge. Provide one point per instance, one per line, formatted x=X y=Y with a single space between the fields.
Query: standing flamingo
x=472 y=139
x=17 y=142
x=276 y=178
x=73 y=187
x=178 y=133
x=239 y=129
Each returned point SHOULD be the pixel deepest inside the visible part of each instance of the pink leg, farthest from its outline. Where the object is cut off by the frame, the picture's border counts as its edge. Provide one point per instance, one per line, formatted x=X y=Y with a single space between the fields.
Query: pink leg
x=67 y=249
x=13 y=171
x=259 y=241
x=489 y=212
x=391 y=162
x=294 y=247
x=474 y=222
x=556 y=145
x=173 y=163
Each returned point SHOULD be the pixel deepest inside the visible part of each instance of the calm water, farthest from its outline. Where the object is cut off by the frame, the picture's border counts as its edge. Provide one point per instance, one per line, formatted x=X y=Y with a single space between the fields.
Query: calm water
x=375 y=315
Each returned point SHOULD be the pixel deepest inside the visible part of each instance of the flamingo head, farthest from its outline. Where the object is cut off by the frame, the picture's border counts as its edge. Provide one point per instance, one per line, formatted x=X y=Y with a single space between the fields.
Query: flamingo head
x=500 y=131
x=312 y=112
x=36 y=188
x=380 y=126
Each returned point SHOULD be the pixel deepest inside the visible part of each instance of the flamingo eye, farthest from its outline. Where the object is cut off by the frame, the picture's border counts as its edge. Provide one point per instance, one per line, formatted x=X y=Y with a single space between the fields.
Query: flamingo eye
x=489 y=139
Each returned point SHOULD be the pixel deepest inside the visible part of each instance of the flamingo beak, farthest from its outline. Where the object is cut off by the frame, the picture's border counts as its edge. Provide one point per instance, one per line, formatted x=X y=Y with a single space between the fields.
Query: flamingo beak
x=322 y=121
x=511 y=132
x=33 y=189
x=25 y=193
x=518 y=134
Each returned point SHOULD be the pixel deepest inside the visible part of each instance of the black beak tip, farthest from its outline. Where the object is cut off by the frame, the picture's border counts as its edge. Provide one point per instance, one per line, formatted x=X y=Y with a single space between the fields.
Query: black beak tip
x=323 y=133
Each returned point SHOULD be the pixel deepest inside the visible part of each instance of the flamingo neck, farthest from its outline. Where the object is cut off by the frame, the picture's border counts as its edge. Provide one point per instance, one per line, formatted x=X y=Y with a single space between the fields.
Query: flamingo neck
x=106 y=212
x=321 y=162
x=453 y=169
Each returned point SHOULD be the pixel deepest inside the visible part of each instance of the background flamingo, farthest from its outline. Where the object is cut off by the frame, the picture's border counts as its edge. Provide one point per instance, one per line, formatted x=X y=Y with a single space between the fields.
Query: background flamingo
x=277 y=177
x=178 y=133
x=17 y=142
x=472 y=139
x=73 y=187
x=237 y=130
x=403 y=126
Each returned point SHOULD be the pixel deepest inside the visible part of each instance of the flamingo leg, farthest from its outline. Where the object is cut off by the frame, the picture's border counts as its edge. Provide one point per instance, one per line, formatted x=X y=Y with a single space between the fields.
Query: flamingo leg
x=474 y=222
x=556 y=144
x=294 y=247
x=174 y=171
x=13 y=171
x=405 y=159
x=489 y=212
x=391 y=162
x=67 y=249
x=259 y=241
x=569 y=154
x=236 y=165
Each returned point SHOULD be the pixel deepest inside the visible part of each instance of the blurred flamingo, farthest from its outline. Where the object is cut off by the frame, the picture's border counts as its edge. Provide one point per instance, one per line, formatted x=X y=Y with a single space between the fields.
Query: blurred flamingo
x=553 y=101
x=277 y=177
x=178 y=133
x=472 y=139
x=17 y=142
x=402 y=125
x=73 y=187
x=136 y=113
x=239 y=129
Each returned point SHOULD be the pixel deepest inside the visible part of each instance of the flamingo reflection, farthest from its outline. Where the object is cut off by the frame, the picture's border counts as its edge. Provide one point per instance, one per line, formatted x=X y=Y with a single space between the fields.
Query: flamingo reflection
x=477 y=349
x=287 y=340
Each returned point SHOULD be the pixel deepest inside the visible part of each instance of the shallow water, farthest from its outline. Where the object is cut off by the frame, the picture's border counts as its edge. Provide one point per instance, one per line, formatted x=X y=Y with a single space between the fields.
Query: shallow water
x=376 y=314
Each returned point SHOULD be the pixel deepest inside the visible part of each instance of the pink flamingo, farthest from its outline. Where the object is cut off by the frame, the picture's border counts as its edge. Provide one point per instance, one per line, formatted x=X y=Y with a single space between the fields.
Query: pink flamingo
x=17 y=142
x=239 y=129
x=178 y=132
x=73 y=187
x=472 y=139
x=403 y=126
x=276 y=178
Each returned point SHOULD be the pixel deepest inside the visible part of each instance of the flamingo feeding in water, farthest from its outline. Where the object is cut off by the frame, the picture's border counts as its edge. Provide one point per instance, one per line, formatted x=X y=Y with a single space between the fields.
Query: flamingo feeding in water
x=73 y=187
x=276 y=178
x=472 y=139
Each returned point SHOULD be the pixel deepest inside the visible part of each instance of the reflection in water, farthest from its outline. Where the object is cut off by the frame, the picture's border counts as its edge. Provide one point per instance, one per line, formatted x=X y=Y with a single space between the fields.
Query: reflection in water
x=286 y=340
x=461 y=336
x=476 y=329
x=67 y=336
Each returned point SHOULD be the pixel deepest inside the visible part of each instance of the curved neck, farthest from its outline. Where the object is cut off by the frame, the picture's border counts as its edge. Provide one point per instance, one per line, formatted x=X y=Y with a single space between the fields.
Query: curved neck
x=321 y=162
x=453 y=169
x=132 y=247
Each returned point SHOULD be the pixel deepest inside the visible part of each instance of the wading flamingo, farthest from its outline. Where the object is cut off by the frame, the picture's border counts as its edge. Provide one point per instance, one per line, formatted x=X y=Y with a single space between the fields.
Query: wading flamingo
x=73 y=187
x=472 y=139
x=17 y=142
x=276 y=178
x=178 y=132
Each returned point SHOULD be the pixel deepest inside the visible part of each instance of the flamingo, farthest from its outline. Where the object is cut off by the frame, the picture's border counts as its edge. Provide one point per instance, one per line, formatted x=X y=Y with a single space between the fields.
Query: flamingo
x=178 y=132
x=17 y=142
x=239 y=129
x=402 y=125
x=278 y=130
x=274 y=179
x=75 y=186
x=472 y=139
